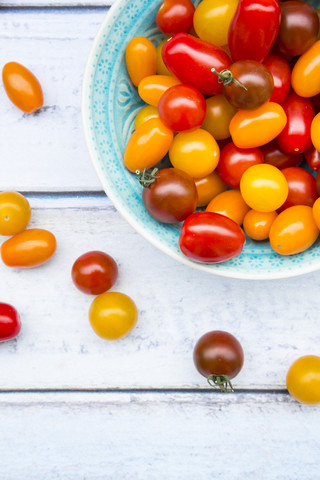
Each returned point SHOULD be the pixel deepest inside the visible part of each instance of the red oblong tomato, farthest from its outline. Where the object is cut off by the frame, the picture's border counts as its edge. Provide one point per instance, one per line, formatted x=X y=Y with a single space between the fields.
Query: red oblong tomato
x=276 y=157
x=175 y=16
x=27 y=249
x=281 y=73
x=209 y=237
x=312 y=157
x=94 y=272
x=302 y=188
x=22 y=87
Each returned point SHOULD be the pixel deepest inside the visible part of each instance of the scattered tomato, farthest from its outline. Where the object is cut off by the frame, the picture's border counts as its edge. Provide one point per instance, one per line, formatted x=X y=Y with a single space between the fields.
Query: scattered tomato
x=94 y=272
x=22 y=87
x=15 y=213
x=303 y=379
x=10 y=324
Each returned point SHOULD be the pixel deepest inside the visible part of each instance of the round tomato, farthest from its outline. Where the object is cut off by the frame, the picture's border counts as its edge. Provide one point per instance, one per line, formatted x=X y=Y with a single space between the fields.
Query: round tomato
x=94 y=272
x=316 y=212
x=113 y=315
x=10 y=324
x=303 y=379
x=22 y=87
x=302 y=187
x=218 y=116
x=141 y=59
x=15 y=213
x=212 y=20
x=257 y=225
x=231 y=204
x=276 y=157
x=175 y=16
x=208 y=187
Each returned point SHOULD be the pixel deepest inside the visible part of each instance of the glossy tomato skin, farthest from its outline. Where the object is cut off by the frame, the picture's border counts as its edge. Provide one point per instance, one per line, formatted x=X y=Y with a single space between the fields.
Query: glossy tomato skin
x=315 y=131
x=276 y=157
x=191 y=59
x=218 y=353
x=22 y=87
x=28 y=249
x=296 y=135
x=312 y=157
x=208 y=187
x=303 y=380
x=230 y=204
x=152 y=88
x=94 y=272
x=305 y=76
x=182 y=108
x=254 y=29
x=302 y=187
x=172 y=197
x=281 y=74
x=15 y=213
x=10 y=324
x=208 y=237
x=175 y=16
x=257 y=225
x=219 y=113
x=212 y=20
x=141 y=59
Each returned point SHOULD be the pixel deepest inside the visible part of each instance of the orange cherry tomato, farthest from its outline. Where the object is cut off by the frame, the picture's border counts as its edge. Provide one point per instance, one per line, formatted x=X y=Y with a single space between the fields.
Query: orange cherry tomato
x=153 y=87
x=22 y=87
x=15 y=213
x=147 y=145
x=257 y=225
x=315 y=132
x=27 y=249
x=230 y=204
x=161 y=67
x=316 y=212
x=141 y=59
x=303 y=379
x=218 y=117
x=147 y=112
x=208 y=187
x=253 y=128
x=294 y=230
x=305 y=77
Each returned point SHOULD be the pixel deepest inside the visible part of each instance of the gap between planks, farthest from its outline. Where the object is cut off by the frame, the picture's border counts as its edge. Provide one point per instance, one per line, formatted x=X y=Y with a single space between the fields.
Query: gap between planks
x=145 y=391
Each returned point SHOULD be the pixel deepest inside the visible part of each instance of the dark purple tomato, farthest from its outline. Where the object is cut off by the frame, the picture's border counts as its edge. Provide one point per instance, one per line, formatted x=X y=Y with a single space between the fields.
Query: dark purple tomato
x=94 y=272
x=312 y=157
x=276 y=157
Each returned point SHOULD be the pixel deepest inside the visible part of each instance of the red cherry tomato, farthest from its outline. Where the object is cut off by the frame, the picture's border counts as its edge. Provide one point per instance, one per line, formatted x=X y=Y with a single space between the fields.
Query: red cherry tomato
x=182 y=108
x=302 y=187
x=209 y=237
x=281 y=73
x=10 y=324
x=234 y=162
x=94 y=272
x=175 y=16
x=276 y=157
x=312 y=157
x=22 y=87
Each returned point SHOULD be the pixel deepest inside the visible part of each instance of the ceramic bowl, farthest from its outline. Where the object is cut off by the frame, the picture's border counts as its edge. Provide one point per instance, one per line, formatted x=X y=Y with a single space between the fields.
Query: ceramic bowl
x=109 y=105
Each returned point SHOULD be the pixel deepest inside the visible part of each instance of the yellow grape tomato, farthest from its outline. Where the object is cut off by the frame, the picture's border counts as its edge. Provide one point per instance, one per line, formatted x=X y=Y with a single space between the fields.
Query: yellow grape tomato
x=145 y=114
x=212 y=19
x=141 y=59
x=153 y=87
x=15 y=213
x=161 y=67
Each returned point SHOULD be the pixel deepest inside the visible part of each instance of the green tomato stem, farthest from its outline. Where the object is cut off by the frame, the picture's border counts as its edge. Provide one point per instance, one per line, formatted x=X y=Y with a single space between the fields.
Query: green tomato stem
x=147 y=178
x=222 y=382
x=225 y=77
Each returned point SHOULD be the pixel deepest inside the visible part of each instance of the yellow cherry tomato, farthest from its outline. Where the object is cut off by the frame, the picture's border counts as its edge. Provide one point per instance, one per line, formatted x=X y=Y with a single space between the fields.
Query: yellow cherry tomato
x=230 y=204
x=257 y=225
x=212 y=18
x=208 y=187
x=161 y=67
x=218 y=117
x=316 y=212
x=113 y=315
x=153 y=87
x=264 y=187
x=147 y=145
x=15 y=213
x=196 y=153
x=305 y=78
x=141 y=59
x=294 y=230
x=315 y=132
x=253 y=128
x=147 y=112
x=303 y=379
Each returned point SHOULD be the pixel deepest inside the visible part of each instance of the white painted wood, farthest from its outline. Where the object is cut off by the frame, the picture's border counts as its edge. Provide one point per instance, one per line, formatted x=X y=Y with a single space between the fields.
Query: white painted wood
x=156 y=436
x=276 y=321
x=57 y=3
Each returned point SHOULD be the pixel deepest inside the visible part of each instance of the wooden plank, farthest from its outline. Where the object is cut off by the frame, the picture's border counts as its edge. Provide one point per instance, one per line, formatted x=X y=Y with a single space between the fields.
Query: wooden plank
x=56 y=3
x=156 y=436
x=276 y=321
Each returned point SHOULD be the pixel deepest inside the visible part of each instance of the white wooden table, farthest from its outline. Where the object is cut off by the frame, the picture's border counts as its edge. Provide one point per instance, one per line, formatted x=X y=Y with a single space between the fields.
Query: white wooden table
x=73 y=406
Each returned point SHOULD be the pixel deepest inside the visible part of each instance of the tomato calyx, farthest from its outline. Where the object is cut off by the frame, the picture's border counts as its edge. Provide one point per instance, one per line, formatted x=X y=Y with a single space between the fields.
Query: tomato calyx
x=222 y=382
x=226 y=77
x=146 y=178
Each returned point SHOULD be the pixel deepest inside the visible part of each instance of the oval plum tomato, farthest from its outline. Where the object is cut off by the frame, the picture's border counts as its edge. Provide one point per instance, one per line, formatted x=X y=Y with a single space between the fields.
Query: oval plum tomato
x=208 y=237
x=294 y=230
x=10 y=324
x=281 y=74
x=231 y=204
x=182 y=108
x=146 y=113
x=152 y=88
x=312 y=157
x=196 y=152
x=212 y=20
x=141 y=59
x=303 y=380
x=169 y=195
x=15 y=213
x=295 y=136
x=264 y=187
x=208 y=187
x=305 y=77
x=113 y=315
x=299 y=28
x=316 y=212
x=218 y=356
x=175 y=16
x=235 y=161
x=94 y=272
x=22 y=87
x=276 y=157
x=29 y=248
x=218 y=117
x=302 y=187
x=315 y=132
x=257 y=225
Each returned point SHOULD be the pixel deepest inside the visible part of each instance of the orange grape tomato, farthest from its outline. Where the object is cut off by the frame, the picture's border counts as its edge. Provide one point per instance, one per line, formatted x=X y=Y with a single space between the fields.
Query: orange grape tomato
x=257 y=225
x=141 y=59
x=15 y=213
x=208 y=187
x=196 y=152
x=303 y=379
x=305 y=78
x=294 y=230
x=161 y=68
x=113 y=315
x=230 y=204
x=153 y=87
x=147 y=112
x=147 y=145
x=27 y=249
x=212 y=19
x=316 y=212
x=315 y=132
x=253 y=128
x=218 y=117
x=22 y=87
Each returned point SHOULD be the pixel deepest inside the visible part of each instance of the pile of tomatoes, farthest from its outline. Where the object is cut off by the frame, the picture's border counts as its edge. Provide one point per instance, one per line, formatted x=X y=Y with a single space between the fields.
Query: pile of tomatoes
x=232 y=96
